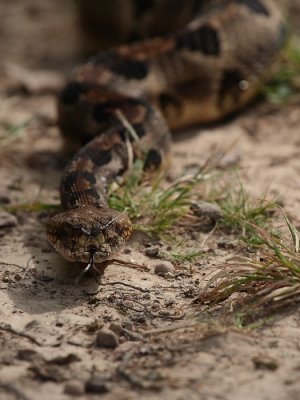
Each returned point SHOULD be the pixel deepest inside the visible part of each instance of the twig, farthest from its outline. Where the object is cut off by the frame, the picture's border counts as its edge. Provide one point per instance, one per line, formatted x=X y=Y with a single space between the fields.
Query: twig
x=12 y=265
x=125 y=284
x=128 y=264
x=8 y=328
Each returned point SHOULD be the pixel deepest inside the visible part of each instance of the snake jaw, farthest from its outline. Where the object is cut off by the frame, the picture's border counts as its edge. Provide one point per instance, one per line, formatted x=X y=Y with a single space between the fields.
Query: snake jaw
x=86 y=230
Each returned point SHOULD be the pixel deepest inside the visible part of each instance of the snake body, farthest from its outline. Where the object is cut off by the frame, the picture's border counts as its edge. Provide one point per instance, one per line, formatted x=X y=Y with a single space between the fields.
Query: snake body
x=200 y=73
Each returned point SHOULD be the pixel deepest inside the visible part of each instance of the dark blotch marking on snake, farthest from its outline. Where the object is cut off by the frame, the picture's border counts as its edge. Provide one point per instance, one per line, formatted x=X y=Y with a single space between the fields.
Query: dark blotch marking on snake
x=153 y=159
x=99 y=157
x=130 y=69
x=73 y=176
x=230 y=83
x=72 y=92
x=205 y=39
x=74 y=198
x=168 y=100
x=139 y=129
x=126 y=67
x=102 y=113
x=255 y=5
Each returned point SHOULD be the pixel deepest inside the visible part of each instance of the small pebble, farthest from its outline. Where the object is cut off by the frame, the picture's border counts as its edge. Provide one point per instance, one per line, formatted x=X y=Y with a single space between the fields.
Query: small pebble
x=163 y=267
x=117 y=328
x=164 y=313
x=107 y=338
x=74 y=388
x=225 y=244
x=205 y=209
x=97 y=384
x=7 y=220
x=127 y=325
x=140 y=318
x=265 y=362
x=152 y=252
x=18 y=277
x=32 y=324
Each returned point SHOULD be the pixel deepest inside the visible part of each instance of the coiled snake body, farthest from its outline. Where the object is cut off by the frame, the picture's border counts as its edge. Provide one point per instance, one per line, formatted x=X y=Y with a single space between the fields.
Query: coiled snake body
x=202 y=72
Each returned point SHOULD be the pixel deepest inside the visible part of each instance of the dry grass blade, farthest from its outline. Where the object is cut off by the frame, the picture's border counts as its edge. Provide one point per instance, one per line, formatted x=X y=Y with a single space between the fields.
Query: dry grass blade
x=293 y=231
x=273 y=278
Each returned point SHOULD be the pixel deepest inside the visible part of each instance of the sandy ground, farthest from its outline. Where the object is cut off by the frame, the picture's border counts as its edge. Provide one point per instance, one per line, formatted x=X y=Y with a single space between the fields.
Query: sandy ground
x=162 y=347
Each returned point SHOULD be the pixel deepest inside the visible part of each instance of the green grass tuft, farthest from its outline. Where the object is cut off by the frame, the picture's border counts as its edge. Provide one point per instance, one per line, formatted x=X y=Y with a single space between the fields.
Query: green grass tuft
x=187 y=256
x=154 y=209
x=241 y=213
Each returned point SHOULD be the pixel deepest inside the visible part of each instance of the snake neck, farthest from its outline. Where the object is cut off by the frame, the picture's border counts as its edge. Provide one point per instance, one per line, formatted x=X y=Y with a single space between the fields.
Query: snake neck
x=87 y=177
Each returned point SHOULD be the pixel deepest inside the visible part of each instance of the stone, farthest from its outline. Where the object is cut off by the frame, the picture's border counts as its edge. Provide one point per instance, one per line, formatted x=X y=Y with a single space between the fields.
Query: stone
x=163 y=268
x=107 y=338
x=74 y=388
x=152 y=252
x=7 y=220
x=205 y=209
x=96 y=384
x=115 y=327
x=265 y=362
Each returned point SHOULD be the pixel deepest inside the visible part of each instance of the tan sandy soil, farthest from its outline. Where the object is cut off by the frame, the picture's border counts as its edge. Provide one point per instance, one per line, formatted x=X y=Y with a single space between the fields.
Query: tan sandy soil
x=163 y=348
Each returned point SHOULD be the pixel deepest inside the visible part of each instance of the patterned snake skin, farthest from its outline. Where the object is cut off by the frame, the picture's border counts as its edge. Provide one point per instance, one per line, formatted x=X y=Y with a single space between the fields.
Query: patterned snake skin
x=200 y=73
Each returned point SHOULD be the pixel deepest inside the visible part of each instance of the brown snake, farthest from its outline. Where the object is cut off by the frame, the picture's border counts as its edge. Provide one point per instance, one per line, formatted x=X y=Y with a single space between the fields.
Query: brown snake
x=202 y=72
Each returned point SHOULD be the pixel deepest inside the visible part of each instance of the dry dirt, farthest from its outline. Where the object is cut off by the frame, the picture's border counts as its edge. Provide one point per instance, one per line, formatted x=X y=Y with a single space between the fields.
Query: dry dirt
x=162 y=347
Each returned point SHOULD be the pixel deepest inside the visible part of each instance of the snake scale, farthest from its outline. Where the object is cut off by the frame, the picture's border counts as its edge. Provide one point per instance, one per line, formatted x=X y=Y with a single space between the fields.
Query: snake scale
x=199 y=73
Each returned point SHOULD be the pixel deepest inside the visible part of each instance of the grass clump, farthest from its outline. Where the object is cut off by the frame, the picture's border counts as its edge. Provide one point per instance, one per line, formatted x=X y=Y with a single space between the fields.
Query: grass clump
x=272 y=279
x=155 y=209
x=186 y=256
x=242 y=213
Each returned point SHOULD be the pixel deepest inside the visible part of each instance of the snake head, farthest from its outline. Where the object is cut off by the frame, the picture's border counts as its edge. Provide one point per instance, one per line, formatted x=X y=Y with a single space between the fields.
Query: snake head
x=88 y=230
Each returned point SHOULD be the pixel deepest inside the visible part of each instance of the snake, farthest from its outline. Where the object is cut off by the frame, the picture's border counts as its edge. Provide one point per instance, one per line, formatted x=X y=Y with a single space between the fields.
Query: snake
x=211 y=65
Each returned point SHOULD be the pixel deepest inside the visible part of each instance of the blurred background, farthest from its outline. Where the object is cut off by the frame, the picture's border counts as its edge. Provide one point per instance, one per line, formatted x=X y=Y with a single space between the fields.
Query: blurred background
x=53 y=34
